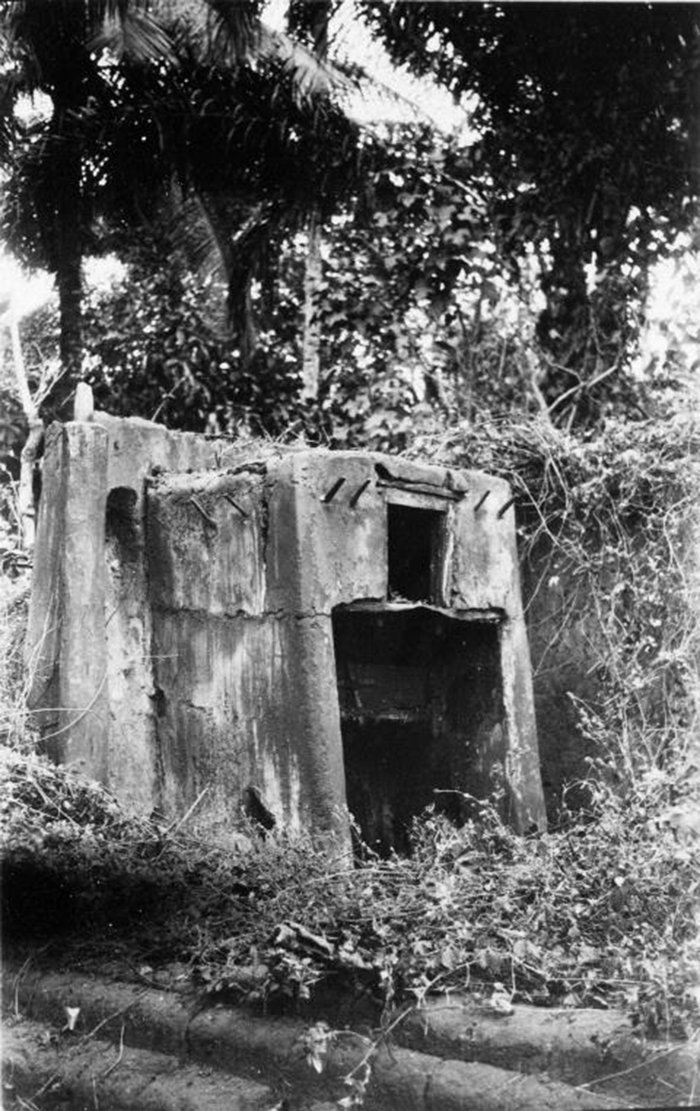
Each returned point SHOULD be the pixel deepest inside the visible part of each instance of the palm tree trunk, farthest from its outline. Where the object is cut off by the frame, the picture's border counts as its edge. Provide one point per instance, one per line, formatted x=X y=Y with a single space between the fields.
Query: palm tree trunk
x=69 y=97
x=70 y=298
x=235 y=262
x=311 y=344
x=69 y=253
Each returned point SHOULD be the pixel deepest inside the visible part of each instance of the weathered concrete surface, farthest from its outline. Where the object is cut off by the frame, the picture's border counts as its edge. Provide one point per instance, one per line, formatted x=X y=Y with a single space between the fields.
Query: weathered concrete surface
x=206 y=535
x=482 y=576
x=88 y=641
x=134 y=448
x=321 y=554
x=486 y=575
x=131 y=738
x=247 y=704
x=235 y=1041
x=66 y=636
x=184 y=608
x=524 y=800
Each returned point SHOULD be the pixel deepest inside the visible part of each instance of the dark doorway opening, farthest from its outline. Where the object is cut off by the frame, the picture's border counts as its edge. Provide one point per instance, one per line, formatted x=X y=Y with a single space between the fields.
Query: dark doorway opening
x=415 y=552
x=421 y=715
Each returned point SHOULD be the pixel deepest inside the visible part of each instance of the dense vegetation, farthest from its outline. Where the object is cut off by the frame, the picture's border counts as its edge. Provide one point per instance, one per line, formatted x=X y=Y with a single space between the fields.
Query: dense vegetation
x=577 y=157
x=539 y=225
x=481 y=301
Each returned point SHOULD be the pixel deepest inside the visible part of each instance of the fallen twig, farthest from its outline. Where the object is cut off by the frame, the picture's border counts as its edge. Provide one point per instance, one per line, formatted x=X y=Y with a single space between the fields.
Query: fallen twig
x=116 y=1063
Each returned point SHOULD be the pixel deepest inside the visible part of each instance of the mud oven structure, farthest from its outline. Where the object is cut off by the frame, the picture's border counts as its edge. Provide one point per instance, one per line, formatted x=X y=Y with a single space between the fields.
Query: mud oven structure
x=279 y=632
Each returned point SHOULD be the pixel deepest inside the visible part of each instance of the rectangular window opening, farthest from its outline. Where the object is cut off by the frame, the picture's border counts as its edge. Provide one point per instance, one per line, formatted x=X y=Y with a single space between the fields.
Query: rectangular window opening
x=416 y=543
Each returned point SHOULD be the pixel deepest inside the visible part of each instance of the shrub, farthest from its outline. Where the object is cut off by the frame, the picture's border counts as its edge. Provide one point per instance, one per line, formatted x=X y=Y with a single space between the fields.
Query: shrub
x=599 y=913
x=608 y=522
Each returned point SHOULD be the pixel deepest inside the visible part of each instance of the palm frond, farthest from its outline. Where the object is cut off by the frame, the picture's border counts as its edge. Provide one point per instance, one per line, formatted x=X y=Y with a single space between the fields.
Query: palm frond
x=234 y=27
x=133 y=33
x=311 y=77
x=374 y=93
x=200 y=237
x=11 y=86
x=238 y=35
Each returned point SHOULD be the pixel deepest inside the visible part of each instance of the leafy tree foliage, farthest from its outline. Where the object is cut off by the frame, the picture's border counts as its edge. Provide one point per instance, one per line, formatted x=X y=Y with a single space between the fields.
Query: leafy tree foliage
x=421 y=320
x=156 y=346
x=457 y=278
x=588 y=120
x=240 y=119
x=412 y=298
x=410 y=313
x=52 y=54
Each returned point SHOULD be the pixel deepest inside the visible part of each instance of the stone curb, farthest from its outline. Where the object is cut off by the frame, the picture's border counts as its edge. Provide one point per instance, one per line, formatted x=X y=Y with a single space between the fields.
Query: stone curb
x=583 y=1046
x=234 y=1041
x=96 y=1074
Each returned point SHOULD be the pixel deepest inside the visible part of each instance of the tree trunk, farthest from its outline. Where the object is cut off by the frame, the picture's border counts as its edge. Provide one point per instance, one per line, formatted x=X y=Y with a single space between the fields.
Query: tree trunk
x=68 y=267
x=313 y=274
x=237 y=256
x=311 y=345
x=63 y=194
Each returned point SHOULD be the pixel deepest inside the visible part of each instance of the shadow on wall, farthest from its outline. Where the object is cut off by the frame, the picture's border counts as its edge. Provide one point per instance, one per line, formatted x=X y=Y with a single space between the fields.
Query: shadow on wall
x=122 y=526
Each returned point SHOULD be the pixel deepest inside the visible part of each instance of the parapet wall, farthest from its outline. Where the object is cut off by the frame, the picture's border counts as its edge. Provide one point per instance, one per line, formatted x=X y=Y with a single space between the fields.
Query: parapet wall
x=265 y=630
